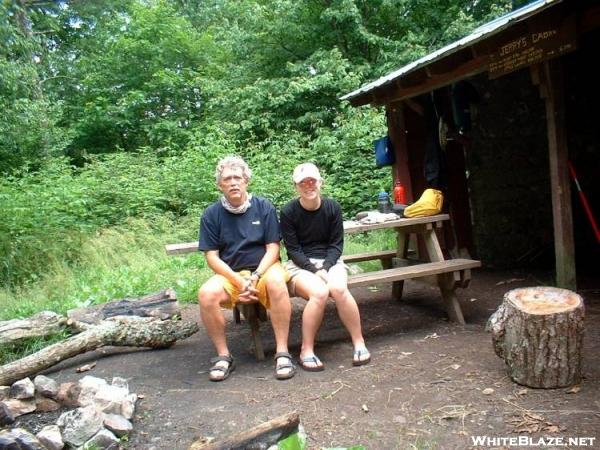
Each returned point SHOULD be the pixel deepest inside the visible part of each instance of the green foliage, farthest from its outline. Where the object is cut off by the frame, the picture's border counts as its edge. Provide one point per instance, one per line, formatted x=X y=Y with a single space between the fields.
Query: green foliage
x=296 y=441
x=140 y=84
x=117 y=262
x=29 y=129
x=49 y=212
x=345 y=153
x=145 y=96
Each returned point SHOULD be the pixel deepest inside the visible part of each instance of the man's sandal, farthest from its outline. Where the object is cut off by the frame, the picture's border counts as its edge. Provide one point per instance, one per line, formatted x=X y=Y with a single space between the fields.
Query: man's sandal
x=311 y=364
x=358 y=354
x=219 y=373
x=286 y=365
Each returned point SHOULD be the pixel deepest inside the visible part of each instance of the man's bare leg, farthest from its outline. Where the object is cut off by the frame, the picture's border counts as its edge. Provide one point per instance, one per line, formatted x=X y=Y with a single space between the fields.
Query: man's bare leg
x=281 y=313
x=210 y=296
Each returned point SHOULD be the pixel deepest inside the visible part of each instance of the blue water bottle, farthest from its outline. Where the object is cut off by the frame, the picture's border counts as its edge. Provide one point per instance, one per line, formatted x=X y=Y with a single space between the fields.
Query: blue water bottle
x=383 y=202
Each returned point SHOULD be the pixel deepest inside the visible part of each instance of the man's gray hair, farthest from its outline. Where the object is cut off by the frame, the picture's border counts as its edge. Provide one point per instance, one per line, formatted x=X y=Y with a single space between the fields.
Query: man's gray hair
x=233 y=161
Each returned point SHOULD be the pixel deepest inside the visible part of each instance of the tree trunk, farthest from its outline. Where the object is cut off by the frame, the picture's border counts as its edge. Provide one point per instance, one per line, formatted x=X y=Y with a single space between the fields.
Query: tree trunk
x=538 y=331
x=162 y=305
x=118 y=331
x=267 y=433
x=41 y=324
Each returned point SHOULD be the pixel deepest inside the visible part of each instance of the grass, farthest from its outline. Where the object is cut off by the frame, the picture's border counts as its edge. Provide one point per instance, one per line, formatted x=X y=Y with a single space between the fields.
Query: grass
x=114 y=263
x=369 y=242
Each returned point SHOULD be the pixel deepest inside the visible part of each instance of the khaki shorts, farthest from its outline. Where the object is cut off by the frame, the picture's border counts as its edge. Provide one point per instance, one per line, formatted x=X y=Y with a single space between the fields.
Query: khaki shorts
x=293 y=271
x=273 y=272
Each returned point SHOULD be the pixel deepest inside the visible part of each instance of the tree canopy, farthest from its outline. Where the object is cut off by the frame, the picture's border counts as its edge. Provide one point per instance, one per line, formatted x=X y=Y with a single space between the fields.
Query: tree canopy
x=120 y=108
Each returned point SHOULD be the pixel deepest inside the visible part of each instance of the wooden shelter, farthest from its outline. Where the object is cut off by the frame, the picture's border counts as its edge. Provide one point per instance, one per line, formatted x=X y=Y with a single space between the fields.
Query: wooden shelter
x=546 y=47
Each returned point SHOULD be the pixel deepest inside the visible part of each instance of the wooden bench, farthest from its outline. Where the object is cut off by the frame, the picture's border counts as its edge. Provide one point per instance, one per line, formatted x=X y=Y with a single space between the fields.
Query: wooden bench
x=422 y=269
x=449 y=274
x=191 y=247
x=254 y=313
x=385 y=256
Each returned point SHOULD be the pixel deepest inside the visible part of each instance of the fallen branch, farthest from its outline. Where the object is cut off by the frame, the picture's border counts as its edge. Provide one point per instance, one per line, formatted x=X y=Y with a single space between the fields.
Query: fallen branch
x=117 y=331
x=41 y=324
x=267 y=433
x=162 y=305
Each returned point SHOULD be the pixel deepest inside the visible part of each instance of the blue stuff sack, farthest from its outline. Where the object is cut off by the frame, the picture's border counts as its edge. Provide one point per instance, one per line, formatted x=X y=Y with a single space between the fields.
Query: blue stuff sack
x=384 y=152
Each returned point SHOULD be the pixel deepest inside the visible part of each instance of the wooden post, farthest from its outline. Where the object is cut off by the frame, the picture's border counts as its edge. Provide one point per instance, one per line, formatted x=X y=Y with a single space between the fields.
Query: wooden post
x=253 y=312
x=552 y=91
x=538 y=331
x=397 y=131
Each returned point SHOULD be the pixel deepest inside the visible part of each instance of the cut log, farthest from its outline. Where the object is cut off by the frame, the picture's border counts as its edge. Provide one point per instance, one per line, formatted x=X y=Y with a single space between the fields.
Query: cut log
x=538 y=331
x=162 y=305
x=41 y=324
x=261 y=436
x=117 y=331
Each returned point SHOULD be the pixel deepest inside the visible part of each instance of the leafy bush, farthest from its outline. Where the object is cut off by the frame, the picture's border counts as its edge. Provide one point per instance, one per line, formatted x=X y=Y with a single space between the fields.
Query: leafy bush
x=50 y=212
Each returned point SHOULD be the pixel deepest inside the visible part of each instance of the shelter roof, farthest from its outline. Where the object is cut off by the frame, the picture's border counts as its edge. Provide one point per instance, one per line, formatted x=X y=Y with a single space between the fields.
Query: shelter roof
x=465 y=57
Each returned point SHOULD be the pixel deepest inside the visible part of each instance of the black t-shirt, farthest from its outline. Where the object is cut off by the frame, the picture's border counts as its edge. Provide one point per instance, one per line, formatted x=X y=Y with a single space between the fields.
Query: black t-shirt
x=313 y=234
x=239 y=238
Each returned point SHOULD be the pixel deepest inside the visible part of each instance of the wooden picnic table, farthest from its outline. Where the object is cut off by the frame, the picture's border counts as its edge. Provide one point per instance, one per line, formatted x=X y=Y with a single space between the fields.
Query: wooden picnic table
x=447 y=274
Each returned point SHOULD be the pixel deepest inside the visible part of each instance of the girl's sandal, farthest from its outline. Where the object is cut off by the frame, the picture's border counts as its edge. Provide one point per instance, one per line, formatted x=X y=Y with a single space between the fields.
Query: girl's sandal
x=360 y=353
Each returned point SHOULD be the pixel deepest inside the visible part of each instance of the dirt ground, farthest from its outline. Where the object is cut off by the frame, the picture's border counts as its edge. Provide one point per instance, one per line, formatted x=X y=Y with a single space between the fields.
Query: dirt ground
x=423 y=388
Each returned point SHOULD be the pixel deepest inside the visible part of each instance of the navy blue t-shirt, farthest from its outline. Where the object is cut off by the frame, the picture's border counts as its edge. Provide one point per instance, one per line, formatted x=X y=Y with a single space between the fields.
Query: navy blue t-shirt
x=239 y=238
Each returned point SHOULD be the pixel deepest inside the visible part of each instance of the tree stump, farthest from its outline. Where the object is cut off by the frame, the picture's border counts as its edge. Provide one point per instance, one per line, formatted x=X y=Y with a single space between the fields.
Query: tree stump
x=538 y=331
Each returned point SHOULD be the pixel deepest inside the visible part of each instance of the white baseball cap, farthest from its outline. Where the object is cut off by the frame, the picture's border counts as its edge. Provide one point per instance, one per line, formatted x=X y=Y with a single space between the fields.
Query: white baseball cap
x=306 y=170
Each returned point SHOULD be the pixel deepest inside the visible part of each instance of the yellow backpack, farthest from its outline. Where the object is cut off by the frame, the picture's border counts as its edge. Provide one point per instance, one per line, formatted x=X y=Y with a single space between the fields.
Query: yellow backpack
x=429 y=204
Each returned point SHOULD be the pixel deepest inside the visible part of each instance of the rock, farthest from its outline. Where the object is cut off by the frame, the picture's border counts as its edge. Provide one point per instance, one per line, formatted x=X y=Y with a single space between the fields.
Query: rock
x=80 y=424
x=68 y=394
x=19 y=439
x=128 y=406
x=92 y=381
x=120 y=382
x=45 y=386
x=118 y=424
x=86 y=427
x=44 y=404
x=20 y=407
x=22 y=389
x=103 y=440
x=4 y=390
x=50 y=437
x=6 y=416
x=90 y=386
x=109 y=398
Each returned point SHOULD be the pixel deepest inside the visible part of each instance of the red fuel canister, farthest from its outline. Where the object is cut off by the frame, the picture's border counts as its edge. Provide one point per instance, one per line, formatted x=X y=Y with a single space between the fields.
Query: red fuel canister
x=399 y=194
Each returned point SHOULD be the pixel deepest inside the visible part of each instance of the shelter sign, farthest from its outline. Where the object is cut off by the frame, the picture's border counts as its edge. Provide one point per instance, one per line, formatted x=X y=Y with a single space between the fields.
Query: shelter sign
x=540 y=42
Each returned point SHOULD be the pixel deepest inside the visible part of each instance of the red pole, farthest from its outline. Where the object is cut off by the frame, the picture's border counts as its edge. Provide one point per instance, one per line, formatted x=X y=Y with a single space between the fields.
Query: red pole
x=584 y=201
